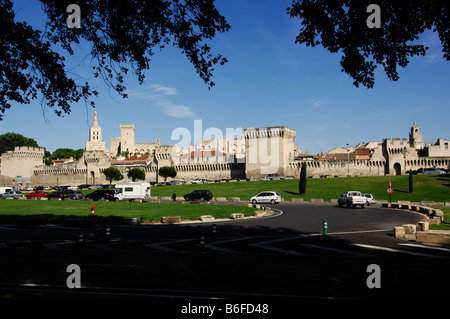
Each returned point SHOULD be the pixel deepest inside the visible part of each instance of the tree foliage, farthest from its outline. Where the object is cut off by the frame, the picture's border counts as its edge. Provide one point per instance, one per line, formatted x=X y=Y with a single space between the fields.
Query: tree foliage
x=340 y=26
x=302 y=181
x=9 y=141
x=122 y=35
x=136 y=174
x=410 y=182
x=167 y=171
x=66 y=153
x=112 y=174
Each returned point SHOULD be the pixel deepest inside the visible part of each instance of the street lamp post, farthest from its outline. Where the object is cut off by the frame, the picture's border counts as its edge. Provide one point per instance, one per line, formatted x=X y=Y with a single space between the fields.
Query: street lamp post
x=348 y=155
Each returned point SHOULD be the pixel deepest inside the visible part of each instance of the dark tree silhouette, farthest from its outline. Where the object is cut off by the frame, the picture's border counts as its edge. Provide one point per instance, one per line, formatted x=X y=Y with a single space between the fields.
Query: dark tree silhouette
x=302 y=180
x=122 y=35
x=341 y=26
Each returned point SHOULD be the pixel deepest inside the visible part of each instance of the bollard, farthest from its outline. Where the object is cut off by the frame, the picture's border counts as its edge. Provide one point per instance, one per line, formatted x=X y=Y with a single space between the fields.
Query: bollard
x=202 y=242
x=108 y=232
x=214 y=230
x=325 y=227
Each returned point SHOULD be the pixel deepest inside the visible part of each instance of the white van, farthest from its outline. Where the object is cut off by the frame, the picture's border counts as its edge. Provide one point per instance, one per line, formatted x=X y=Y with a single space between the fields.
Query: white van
x=4 y=190
x=132 y=190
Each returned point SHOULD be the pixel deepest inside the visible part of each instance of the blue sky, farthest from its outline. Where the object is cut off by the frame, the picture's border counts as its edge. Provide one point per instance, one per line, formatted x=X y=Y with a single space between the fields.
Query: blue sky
x=268 y=81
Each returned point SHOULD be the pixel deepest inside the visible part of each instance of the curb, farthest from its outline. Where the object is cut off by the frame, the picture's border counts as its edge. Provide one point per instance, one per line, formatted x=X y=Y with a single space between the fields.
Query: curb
x=421 y=232
x=263 y=212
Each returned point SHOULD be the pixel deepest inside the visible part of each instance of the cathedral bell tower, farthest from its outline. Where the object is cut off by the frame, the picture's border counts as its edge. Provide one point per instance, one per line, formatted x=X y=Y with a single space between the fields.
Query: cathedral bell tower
x=95 y=137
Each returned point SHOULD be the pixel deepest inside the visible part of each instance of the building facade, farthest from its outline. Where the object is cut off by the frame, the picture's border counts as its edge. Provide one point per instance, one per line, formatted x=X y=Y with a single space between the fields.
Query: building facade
x=259 y=152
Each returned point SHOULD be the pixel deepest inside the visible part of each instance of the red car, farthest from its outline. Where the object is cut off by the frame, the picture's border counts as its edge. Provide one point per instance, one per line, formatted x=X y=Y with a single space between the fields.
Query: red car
x=37 y=194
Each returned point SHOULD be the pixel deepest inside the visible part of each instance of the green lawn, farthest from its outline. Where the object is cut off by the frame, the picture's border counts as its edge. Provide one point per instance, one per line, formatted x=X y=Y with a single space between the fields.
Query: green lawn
x=54 y=211
x=426 y=188
x=446 y=224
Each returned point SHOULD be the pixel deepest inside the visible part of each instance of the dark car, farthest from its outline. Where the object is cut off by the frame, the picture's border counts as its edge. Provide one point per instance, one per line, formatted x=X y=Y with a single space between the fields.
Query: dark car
x=203 y=195
x=102 y=194
x=71 y=194
x=57 y=194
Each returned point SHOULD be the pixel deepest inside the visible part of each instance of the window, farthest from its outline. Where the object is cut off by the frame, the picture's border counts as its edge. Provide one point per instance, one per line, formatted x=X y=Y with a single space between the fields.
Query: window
x=128 y=189
x=446 y=146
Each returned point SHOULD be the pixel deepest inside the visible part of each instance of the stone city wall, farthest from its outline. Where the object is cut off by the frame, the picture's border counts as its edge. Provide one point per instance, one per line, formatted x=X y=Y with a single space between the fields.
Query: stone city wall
x=57 y=176
x=338 y=167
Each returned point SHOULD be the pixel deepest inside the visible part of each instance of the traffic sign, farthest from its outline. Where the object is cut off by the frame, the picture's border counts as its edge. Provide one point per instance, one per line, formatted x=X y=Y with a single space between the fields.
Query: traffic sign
x=389 y=190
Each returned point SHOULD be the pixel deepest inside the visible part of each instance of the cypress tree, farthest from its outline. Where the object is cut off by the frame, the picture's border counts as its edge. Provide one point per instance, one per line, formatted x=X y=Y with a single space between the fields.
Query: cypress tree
x=410 y=184
x=302 y=182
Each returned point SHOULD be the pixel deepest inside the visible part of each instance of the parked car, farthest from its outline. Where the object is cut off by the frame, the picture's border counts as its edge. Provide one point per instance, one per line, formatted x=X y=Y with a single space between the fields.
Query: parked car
x=37 y=194
x=433 y=171
x=176 y=182
x=74 y=194
x=199 y=181
x=102 y=194
x=272 y=176
x=84 y=186
x=266 y=197
x=96 y=186
x=11 y=194
x=370 y=199
x=351 y=199
x=203 y=195
x=57 y=194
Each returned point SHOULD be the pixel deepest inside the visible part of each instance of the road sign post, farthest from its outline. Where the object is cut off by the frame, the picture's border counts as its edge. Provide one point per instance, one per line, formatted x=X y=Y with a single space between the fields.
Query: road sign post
x=389 y=191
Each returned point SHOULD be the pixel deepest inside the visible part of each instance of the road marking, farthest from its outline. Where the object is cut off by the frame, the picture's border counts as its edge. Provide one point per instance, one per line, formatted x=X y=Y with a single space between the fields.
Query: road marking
x=426 y=247
x=348 y=252
x=56 y=245
x=401 y=251
x=161 y=246
x=224 y=250
x=360 y=231
x=159 y=293
x=263 y=244
x=8 y=228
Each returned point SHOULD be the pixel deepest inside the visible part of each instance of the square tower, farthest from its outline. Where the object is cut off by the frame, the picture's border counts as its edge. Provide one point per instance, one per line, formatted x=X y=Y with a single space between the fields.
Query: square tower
x=415 y=137
x=127 y=138
x=268 y=150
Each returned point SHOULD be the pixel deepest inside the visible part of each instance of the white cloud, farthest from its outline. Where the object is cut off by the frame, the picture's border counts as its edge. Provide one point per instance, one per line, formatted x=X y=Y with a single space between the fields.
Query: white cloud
x=164 y=90
x=178 y=111
x=158 y=94
x=318 y=103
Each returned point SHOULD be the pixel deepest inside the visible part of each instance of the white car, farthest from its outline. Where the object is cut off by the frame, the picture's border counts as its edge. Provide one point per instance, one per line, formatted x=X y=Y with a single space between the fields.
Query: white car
x=273 y=176
x=352 y=198
x=433 y=171
x=370 y=199
x=199 y=181
x=266 y=197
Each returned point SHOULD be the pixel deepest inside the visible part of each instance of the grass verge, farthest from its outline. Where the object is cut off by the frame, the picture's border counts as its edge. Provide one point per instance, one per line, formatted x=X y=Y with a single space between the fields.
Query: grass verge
x=445 y=225
x=112 y=212
x=426 y=188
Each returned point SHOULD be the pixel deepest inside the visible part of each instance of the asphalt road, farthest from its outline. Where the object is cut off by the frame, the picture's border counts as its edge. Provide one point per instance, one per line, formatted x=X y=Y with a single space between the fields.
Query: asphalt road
x=279 y=260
